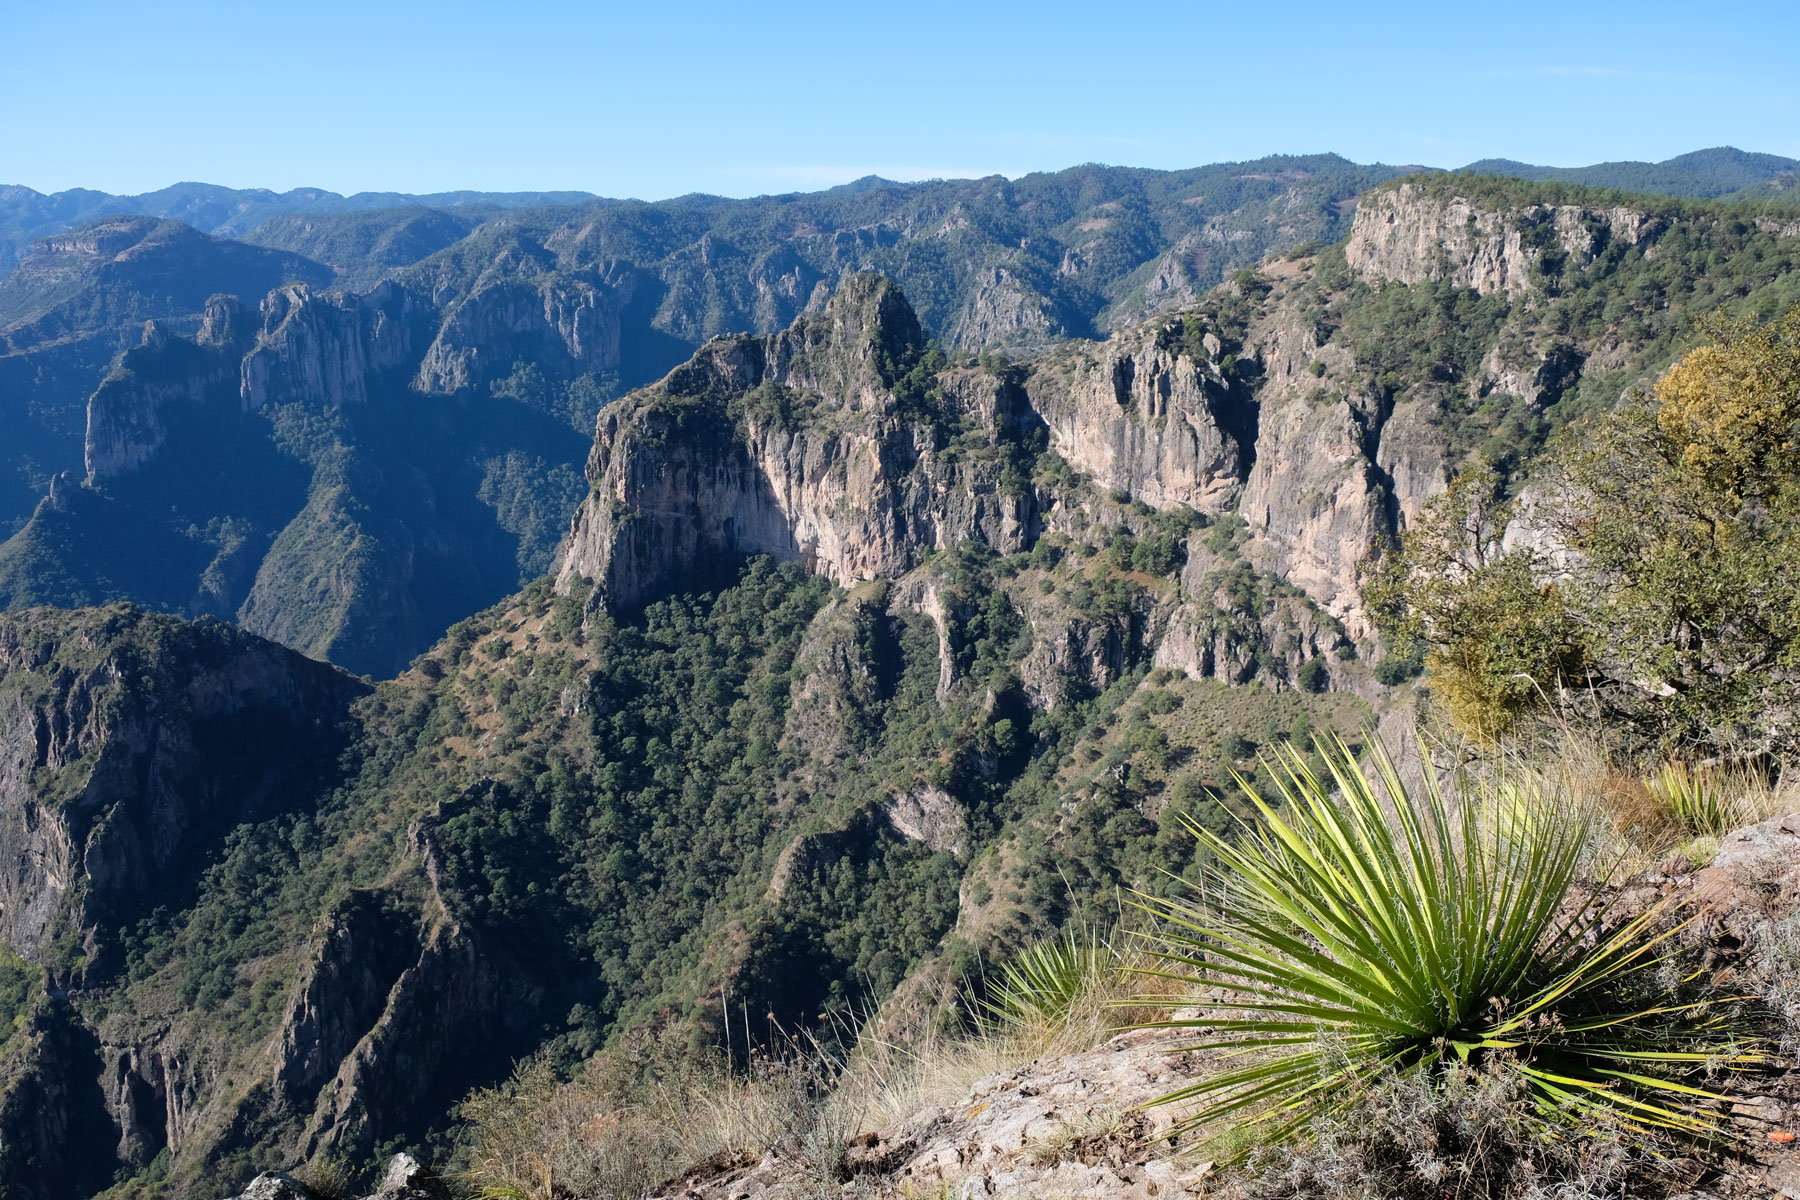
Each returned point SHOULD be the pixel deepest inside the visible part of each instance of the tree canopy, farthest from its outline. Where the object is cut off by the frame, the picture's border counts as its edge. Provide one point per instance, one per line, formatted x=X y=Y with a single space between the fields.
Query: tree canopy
x=1647 y=578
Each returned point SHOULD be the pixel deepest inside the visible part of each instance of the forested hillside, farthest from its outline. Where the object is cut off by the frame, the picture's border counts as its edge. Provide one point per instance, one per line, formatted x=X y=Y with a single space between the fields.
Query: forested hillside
x=869 y=656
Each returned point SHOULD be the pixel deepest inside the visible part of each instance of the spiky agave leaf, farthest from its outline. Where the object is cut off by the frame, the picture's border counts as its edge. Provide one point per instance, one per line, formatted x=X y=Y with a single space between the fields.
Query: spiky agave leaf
x=1046 y=982
x=1696 y=798
x=1361 y=928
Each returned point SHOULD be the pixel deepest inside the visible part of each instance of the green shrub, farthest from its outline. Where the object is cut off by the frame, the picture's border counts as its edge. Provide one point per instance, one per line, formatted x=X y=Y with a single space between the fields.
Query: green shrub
x=1396 y=669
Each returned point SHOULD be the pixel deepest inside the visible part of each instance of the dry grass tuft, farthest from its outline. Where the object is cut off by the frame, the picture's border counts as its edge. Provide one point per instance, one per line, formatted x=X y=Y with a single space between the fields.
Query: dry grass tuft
x=642 y=1115
x=649 y=1112
x=1647 y=818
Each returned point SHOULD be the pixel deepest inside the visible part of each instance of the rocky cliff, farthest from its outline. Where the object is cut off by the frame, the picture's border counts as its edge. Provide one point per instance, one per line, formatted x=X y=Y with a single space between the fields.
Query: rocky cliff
x=131 y=736
x=564 y=325
x=1142 y=416
x=324 y=349
x=401 y=1007
x=55 y=1139
x=807 y=445
x=126 y=424
x=1420 y=232
x=1251 y=404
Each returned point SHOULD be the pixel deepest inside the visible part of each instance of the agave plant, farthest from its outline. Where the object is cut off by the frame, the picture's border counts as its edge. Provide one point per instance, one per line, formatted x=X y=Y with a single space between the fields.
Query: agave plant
x=1048 y=981
x=1353 y=930
x=1696 y=799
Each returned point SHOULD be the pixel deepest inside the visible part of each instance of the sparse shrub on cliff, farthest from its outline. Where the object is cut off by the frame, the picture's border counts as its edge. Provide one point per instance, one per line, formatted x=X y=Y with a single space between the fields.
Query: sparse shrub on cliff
x=1356 y=930
x=18 y=992
x=331 y=1177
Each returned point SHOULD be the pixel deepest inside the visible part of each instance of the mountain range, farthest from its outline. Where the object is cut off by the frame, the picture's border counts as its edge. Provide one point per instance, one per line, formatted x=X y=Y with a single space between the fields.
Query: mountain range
x=26 y=215
x=451 y=463
x=437 y=639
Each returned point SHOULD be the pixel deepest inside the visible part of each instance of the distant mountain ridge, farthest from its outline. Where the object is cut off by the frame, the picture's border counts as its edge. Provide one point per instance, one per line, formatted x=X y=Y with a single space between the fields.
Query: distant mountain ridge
x=26 y=214
x=1720 y=173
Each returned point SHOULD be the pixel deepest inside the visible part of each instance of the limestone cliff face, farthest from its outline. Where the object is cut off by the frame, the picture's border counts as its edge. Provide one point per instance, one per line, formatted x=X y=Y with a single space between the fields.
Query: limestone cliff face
x=568 y=322
x=129 y=736
x=1144 y=418
x=1411 y=235
x=126 y=423
x=324 y=348
x=794 y=445
x=1340 y=463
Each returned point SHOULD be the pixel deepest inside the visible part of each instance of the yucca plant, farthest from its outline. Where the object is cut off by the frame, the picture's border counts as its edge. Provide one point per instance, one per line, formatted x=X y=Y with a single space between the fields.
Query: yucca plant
x=1354 y=931
x=1048 y=981
x=1697 y=799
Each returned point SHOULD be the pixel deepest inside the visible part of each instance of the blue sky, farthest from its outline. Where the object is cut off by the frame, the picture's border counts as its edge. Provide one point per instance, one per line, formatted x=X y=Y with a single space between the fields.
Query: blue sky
x=654 y=100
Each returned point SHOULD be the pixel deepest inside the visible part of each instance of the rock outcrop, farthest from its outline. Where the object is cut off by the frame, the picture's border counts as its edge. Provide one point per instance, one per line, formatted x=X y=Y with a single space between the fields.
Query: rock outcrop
x=797 y=446
x=400 y=1010
x=1235 y=625
x=1064 y=1126
x=1006 y=309
x=128 y=736
x=126 y=422
x=324 y=348
x=404 y=1179
x=562 y=323
x=1142 y=417
x=1419 y=232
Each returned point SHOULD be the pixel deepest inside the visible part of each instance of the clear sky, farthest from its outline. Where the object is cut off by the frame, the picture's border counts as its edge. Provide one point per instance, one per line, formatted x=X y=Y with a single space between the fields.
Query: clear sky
x=659 y=99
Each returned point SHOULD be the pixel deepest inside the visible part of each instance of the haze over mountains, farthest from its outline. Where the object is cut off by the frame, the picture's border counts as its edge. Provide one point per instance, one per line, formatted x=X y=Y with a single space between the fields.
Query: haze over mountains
x=26 y=215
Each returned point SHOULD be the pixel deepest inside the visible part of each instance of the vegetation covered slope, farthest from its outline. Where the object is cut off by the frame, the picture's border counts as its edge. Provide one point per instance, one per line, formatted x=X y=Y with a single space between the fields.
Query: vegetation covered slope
x=751 y=787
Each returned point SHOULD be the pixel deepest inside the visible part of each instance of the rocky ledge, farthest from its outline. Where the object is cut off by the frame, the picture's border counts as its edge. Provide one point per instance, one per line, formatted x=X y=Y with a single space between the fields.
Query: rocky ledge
x=404 y=1179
